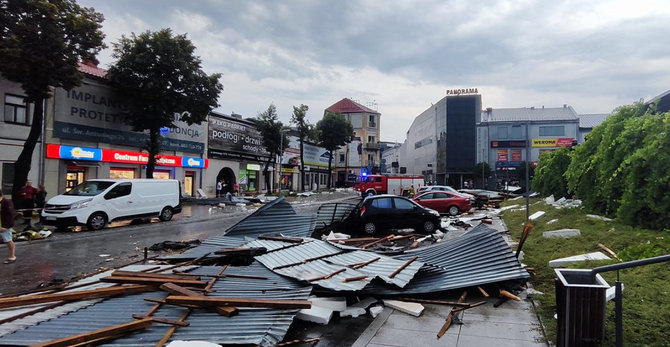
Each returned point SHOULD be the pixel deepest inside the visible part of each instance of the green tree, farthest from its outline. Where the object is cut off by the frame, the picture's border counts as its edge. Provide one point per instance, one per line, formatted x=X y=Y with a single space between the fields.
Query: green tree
x=159 y=77
x=305 y=131
x=482 y=168
x=550 y=173
x=333 y=131
x=275 y=139
x=42 y=43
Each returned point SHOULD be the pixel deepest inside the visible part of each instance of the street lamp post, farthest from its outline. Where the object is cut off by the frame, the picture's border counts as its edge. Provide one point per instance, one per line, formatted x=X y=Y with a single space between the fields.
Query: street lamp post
x=281 y=156
x=527 y=175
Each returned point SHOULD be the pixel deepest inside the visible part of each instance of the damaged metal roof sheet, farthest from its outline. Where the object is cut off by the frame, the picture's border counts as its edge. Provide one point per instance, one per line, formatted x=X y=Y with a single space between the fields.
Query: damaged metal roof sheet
x=330 y=267
x=478 y=257
x=330 y=212
x=252 y=326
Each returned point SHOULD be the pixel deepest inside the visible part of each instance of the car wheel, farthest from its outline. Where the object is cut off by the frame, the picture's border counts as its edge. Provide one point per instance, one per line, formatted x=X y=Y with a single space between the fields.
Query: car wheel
x=96 y=221
x=428 y=227
x=370 y=228
x=453 y=210
x=166 y=214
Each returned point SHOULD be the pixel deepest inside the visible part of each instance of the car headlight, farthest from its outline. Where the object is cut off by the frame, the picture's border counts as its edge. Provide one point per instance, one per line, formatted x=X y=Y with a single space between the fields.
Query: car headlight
x=80 y=204
x=434 y=213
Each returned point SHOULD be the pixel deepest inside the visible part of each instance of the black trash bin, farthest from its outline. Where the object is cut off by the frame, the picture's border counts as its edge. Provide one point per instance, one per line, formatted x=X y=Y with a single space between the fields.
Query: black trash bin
x=580 y=304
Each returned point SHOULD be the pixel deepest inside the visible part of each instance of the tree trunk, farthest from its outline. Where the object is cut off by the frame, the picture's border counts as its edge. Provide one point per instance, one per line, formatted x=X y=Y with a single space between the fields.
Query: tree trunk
x=330 y=173
x=153 y=148
x=24 y=161
x=302 y=166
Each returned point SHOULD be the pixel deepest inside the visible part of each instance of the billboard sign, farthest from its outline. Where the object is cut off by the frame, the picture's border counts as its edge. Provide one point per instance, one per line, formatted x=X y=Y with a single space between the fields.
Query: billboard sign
x=231 y=138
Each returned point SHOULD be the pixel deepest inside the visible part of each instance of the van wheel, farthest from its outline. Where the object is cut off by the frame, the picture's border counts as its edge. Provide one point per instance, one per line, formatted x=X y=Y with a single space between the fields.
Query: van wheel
x=370 y=228
x=166 y=214
x=453 y=210
x=96 y=221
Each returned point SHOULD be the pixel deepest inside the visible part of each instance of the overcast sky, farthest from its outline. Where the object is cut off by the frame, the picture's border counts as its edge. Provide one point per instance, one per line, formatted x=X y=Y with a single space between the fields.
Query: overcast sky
x=400 y=56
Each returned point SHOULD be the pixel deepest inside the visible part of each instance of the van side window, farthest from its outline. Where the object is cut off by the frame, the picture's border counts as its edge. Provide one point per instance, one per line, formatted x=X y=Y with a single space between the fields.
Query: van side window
x=122 y=189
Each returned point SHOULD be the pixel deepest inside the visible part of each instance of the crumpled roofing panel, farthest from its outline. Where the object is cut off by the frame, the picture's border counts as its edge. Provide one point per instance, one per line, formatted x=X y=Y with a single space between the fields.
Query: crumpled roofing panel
x=252 y=326
x=478 y=257
x=314 y=259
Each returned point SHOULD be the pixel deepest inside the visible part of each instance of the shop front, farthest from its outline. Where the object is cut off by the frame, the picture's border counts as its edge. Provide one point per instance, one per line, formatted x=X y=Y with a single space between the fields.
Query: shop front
x=110 y=163
x=89 y=136
x=237 y=156
x=316 y=165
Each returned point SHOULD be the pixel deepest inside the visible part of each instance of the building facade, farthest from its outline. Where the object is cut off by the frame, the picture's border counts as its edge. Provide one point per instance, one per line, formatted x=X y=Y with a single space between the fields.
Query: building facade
x=362 y=153
x=316 y=166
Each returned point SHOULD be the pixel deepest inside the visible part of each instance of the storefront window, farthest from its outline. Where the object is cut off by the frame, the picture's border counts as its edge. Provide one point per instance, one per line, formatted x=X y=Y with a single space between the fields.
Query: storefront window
x=161 y=175
x=189 y=178
x=121 y=173
x=74 y=176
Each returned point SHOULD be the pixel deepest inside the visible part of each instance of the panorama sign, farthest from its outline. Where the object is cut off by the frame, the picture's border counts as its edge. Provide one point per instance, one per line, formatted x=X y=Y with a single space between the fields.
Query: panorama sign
x=462 y=91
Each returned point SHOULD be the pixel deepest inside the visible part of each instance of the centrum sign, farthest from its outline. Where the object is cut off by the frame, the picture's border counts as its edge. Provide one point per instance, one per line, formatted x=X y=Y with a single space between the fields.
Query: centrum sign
x=559 y=142
x=114 y=156
x=462 y=91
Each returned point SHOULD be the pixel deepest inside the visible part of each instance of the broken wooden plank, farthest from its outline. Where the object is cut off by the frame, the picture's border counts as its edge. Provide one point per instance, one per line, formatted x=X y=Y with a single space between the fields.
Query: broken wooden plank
x=152 y=281
x=97 y=335
x=223 y=276
x=357 y=278
x=450 y=317
x=463 y=308
x=161 y=320
x=403 y=266
x=509 y=295
x=308 y=260
x=359 y=239
x=172 y=329
x=119 y=273
x=360 y=265
x=281 y=238
x=484 y=293
x=237 y=302
x=383 y=239
x=604 y=248
x=242 y=252
x=174 y=289
x=435 y=302
x=292 y=342
x=325 y=277
x=69 y=296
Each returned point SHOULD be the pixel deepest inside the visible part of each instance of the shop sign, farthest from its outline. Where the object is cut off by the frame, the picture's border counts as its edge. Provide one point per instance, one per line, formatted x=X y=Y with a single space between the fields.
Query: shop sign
x=230 y=136
x=502 y=155
x=502 y=165
x=93 y=112
x=254 y=167
x=508 y=144
x=556 y=142
x=462 y=91
x=314 y=155
x=286 y=170
x=114 y=156
x=516 y=155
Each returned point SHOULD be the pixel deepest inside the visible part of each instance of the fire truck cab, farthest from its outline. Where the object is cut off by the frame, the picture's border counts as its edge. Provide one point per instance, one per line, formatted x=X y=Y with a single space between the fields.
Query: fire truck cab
x=388 y=184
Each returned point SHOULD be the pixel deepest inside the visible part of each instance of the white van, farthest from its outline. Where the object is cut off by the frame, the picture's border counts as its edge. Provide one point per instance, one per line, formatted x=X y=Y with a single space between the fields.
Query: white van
x=94 y=203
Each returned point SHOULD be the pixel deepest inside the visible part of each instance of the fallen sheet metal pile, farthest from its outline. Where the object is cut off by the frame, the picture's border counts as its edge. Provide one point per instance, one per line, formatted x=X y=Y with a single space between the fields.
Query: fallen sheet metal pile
x=205 y=297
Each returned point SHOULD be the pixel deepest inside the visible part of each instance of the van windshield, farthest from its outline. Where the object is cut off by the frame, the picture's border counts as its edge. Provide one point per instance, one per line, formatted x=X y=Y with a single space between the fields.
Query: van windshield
x=90 y=188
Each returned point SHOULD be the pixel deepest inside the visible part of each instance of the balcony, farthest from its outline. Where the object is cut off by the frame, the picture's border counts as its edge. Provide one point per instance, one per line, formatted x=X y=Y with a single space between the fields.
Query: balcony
x=372 y=146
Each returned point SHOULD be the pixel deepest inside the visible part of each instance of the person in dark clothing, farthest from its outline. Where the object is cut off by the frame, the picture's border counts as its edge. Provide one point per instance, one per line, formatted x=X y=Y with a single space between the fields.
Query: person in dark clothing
x=7 y=216
x=26 y=201
x=41 y=197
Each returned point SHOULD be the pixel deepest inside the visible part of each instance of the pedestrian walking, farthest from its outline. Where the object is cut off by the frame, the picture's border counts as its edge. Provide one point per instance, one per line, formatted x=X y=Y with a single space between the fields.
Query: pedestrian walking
x=27 y=195
x=7 y=216
x=41 y=197
x=219 y=187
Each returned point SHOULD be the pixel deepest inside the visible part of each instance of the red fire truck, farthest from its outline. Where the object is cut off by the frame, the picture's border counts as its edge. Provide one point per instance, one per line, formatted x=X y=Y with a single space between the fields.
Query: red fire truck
x=388 y=184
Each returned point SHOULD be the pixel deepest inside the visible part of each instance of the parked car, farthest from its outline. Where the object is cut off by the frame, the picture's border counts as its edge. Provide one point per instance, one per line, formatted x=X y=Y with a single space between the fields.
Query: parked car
x=94 y=203
x=444 y=202
x=445 y=189
x=375 y=214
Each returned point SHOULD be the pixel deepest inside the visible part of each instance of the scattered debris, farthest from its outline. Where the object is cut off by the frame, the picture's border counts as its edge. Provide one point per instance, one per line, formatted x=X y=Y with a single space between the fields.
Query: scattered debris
x=609 y=251
x=564 y=233
x=316 y=314
x=375 y=311
x=593 y=216
x=174 y=245
x=577 y=258
x=552 y=221
x=411 y=308
x=532 y=291
x=562 y=202
x=537 y=215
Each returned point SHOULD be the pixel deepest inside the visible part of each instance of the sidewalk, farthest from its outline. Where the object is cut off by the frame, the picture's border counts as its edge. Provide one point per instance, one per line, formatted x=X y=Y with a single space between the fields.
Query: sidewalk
x=511 y=324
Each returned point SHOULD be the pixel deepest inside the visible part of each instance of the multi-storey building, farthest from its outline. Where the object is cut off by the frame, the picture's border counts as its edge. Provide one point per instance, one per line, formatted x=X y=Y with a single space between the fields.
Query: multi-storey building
x=362 y=153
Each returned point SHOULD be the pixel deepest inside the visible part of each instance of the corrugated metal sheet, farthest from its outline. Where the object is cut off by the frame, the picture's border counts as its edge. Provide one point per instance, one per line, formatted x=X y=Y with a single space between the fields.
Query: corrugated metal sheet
x=478 y=257
x=328 y=213
x=251 y=326
x=315 y=259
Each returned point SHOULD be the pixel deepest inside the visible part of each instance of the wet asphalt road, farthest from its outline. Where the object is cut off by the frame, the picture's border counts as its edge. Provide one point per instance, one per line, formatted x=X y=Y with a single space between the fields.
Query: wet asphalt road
x=67 y=255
